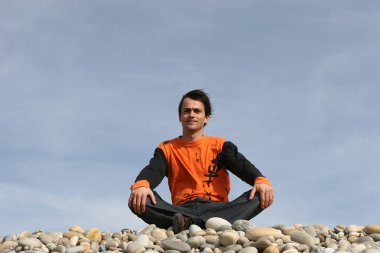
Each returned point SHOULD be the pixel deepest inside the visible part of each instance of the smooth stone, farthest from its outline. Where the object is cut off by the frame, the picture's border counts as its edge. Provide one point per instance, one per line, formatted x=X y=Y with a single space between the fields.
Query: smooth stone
x=159 y=234
x=209 y=250
x=60 y=249
x=376 y=237
x=310 y=230
x=206 y=245
x=134 y=247
x=94 y=234
x=262 y=244
x=182 y=237
x=8 y=245
x=234 y=247
x=371 y=250
x=254 y=234
x=229 y=251
x=224 y=227
x=271 y=249
x=321 y=227
x=30 y=242
x=372 y=229
x=75 y=249
x=194 y=229
x=290 y=251
x=211 y=239
x=228 y=237
x=216 y=222
x=74 y=240
x=70 y=234
x=143 y=240
x=172 y=251
x=175 y=244
x=112 y=243
x=147 y=230
x=196 y=241
x=302 y=237
x=353 y=228
x=248 y=250
x=76 y=228
x=46 y=238
x=242 y=225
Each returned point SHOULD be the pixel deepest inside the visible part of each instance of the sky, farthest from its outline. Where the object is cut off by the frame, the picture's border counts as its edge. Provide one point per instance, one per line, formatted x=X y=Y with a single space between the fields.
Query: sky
x=88 y=89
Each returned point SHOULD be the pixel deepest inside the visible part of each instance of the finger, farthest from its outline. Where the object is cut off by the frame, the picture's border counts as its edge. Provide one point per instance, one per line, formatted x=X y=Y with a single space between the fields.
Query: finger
x=263 y=199
x=152 y=197
x=253 y=192
x=143 y=203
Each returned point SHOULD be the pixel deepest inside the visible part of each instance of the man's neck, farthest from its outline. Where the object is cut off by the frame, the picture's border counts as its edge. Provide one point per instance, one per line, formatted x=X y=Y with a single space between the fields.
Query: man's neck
x=192 y=136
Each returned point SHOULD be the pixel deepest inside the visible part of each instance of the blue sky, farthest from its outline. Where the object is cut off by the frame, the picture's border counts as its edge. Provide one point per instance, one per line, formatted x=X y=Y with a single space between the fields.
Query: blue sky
x=88 y=89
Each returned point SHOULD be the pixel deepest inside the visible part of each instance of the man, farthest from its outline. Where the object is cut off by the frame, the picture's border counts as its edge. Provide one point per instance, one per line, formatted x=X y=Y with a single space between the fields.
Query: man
x=197 y=169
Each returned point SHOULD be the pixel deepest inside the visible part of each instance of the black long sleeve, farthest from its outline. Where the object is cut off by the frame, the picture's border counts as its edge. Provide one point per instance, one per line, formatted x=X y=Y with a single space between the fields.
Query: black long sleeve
x=235 y=162
x=156 y=170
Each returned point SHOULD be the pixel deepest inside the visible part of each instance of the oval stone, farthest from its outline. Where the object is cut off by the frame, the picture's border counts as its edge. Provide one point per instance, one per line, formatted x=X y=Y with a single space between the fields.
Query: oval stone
x=195 y=230
x=353 y=228
x=271 y=249
x=175 y=244
x=242 y=225
x=76 y=228
x=75 y=249
x=134 y=247
x=8 y=245
x=372 y=229
x=248 y=250
x=159 y=234
x=254 y=234
x=196 y=241
x=216 y=222
x=228 y=237
x=30 y=242
x=94 y=234
x=302 y=237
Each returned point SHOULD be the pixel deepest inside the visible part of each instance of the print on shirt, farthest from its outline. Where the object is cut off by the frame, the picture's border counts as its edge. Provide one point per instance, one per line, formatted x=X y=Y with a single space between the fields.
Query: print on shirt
x=212 y=172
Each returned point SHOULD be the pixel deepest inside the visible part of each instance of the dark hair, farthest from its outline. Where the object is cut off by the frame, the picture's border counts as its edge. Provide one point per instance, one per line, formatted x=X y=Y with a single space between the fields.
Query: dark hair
x=200 y=96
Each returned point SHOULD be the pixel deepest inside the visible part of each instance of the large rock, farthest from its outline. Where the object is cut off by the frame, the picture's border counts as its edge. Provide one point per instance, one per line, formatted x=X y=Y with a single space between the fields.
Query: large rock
x=228 y=237
x=30 y=242
x=175 y=244
x=372 y=229
x=216 y=222
x=302 y=237
x=254 y=234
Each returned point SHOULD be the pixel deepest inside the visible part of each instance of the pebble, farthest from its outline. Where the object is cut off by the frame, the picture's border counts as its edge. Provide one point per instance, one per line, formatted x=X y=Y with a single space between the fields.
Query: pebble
x=219 y=236
x=242 y=225
x=372 y=229
x=302 y=237
x=216 y=222
x=179 y=245
x=254 y=234
x=30 y=242
x=228 y=237
x=248 y=250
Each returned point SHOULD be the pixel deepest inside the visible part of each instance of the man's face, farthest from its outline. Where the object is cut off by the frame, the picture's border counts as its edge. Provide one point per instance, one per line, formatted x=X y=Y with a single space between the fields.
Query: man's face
x=193 y=117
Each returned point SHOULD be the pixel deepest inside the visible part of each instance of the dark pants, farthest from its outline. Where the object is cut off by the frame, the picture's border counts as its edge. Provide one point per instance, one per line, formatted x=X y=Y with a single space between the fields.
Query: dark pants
x=200 y=210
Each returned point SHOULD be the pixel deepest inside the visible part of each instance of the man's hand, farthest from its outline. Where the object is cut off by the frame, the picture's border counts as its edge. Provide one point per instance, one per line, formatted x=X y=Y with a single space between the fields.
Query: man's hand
x=266 y=194
x=137 y=200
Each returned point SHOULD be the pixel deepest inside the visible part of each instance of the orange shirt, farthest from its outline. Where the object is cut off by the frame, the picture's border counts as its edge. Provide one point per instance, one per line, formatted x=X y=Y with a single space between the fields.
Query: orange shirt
x=193 y=170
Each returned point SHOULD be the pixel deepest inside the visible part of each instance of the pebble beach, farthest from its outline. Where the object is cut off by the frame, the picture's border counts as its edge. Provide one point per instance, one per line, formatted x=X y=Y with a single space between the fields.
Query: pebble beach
x=219 y=236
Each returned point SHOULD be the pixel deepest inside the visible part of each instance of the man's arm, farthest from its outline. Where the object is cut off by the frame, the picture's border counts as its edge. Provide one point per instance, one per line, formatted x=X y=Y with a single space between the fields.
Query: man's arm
x=235 y=162
x=149 y=178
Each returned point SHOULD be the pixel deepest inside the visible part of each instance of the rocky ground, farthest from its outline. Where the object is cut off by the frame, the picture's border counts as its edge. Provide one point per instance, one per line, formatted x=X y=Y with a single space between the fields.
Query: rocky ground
x=219 y=236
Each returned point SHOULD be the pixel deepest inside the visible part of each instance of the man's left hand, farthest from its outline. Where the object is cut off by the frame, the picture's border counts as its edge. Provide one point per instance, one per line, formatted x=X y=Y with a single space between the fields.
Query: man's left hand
x=266 y=194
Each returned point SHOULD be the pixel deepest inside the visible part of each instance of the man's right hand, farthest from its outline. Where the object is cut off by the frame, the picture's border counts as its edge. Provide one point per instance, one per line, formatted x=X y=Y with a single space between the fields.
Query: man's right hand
x=137 y=199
